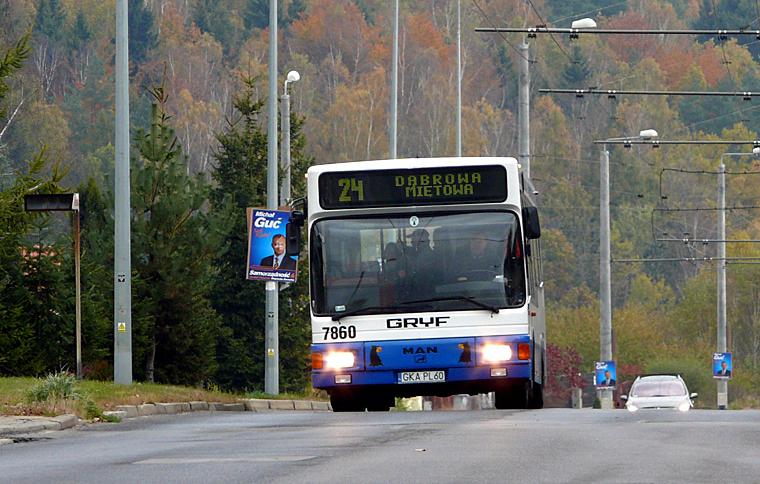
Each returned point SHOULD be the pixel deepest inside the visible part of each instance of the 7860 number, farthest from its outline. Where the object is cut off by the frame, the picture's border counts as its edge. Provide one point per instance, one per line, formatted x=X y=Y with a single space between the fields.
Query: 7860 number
x=339 y=332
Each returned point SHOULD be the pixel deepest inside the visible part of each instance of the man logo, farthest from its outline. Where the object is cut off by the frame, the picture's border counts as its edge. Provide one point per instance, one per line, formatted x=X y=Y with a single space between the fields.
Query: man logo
x=420 y=350
x=420 y=359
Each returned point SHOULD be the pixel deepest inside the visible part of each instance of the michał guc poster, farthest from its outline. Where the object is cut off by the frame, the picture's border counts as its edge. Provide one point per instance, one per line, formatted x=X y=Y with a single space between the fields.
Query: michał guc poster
x=267 y=258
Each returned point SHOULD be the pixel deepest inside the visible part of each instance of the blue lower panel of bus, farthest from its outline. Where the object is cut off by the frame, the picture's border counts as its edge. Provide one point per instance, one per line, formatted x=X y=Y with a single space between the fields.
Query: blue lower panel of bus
x=396 y=362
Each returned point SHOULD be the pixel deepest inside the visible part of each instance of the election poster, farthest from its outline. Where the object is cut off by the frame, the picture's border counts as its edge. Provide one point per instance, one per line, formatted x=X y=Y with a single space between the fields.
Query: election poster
x=605 y=374
x=722 y=366
x=267 y=260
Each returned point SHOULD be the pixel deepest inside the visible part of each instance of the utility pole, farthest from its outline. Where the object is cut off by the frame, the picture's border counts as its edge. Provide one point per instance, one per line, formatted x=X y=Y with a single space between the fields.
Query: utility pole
x=523 y=120
x=722 y=384
x=459 y=78
x=394 y=83
x=122 y=331
x=271 y=340
x=605 y=288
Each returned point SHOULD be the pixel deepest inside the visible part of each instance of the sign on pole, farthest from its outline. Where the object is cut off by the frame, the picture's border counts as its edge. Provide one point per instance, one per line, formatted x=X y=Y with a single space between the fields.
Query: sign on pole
x=605 y=374
x=267 y=258
x=722 y=366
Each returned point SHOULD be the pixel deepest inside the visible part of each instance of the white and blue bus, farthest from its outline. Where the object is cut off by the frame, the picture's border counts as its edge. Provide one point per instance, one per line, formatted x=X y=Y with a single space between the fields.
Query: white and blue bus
x=425 y=280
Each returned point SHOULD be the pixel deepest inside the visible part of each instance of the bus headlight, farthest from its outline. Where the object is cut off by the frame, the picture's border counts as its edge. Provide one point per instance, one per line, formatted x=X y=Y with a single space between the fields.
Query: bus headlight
x=684 y=406
x=493 y=353
x=339 y=359
x=632 y=408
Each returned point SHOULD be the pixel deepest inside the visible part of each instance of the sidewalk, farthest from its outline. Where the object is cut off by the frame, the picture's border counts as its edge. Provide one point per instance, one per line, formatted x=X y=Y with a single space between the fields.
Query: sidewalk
x=12 y=425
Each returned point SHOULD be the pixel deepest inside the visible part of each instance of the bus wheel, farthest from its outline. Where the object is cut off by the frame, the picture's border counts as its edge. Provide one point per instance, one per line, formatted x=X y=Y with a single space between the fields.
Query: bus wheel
x=537 y=396
x=513 y=397
x=380 y=403
x=347 y=402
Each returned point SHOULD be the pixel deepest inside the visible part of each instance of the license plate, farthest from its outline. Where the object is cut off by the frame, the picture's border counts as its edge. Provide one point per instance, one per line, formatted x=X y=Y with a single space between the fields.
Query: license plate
x=436 y=376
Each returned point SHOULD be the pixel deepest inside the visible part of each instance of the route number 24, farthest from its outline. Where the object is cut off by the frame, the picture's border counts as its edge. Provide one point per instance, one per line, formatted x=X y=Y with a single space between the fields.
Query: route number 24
x=339 y=332
x=349 y=185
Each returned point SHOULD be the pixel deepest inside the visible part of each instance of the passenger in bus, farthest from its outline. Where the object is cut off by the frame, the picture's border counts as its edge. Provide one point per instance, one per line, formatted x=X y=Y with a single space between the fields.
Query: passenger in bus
x=422 y=266
x=482 y=259
x=393 y=275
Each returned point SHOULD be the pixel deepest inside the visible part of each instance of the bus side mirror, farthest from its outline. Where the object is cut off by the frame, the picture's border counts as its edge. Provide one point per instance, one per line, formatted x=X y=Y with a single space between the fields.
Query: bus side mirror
x=293 y=233
x=530 y=223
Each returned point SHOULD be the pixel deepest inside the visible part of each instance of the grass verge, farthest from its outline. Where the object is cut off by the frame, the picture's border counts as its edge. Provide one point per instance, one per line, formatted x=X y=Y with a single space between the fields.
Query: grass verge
x=88 y=398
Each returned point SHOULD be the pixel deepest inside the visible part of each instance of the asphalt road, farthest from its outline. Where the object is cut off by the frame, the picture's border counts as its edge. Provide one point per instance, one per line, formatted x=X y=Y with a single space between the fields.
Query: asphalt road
x=553 y=445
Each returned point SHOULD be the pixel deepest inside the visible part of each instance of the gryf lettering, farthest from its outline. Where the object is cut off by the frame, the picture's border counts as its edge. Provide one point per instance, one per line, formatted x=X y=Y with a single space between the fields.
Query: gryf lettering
x=416 y=322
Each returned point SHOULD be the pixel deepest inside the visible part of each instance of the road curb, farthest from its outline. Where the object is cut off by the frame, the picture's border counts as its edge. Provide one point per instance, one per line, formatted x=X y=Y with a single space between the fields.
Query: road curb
x=12 y=425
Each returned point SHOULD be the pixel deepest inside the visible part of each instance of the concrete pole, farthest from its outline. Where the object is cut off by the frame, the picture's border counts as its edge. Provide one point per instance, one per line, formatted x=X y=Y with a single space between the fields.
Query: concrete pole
x=722 y=384
x=605 y=290
x=271 y=341
x=285 y=151
x=523 y=120
x=78 y=284
x=122 y=368
x=459 y=79
x=394 y=84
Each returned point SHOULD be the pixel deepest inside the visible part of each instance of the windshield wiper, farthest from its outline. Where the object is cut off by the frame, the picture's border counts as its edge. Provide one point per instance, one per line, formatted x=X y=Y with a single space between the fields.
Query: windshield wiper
x=471 y=300
x=370 y=309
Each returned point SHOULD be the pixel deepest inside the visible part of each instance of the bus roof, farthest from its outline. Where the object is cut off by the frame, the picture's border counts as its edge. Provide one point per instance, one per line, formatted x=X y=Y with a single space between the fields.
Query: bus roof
x=411 y=163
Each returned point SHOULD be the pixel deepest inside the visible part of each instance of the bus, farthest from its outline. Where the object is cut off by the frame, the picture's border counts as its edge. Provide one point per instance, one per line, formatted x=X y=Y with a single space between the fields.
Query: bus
x=425 y=279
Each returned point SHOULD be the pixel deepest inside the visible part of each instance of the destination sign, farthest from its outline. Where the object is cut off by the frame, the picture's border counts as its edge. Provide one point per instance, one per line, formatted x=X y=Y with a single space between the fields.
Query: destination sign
x=420 y=186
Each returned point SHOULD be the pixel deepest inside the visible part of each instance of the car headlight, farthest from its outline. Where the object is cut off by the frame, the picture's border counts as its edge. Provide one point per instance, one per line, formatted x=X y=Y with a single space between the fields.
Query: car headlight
x=493 y=353
x=684 y=406
x=632 y=408
x=339 y=359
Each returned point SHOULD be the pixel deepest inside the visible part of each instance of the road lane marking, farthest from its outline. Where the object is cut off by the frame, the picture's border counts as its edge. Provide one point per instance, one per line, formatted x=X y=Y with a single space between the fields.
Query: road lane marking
x=224 y=460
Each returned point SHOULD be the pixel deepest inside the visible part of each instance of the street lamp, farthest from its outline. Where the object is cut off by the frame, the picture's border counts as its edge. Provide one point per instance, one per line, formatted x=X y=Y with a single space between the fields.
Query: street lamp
x=605 y=287
x=722 y=319
x=64 y=202
x=293 y=76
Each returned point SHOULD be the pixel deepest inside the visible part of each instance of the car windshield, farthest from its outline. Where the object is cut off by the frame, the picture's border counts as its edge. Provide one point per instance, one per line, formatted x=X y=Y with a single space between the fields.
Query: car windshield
x=438 y=261
x=662 y=388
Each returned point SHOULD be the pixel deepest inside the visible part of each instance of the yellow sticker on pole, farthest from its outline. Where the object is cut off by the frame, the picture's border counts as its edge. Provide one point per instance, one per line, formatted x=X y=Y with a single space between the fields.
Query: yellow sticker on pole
x=121 y=327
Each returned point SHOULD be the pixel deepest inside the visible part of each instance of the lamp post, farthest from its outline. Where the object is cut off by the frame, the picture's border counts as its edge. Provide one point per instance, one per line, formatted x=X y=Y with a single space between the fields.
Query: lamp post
x=605 y=285
x=394 y=85
x=293 y=76
x=65 y=202
x=722 y=384
x=459 y=79
x=271 y=336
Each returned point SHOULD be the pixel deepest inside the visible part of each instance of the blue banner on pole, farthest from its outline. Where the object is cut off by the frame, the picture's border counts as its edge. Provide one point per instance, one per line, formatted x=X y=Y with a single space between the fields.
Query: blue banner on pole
x=722 y=366
x=267 y=258
x=605 y=374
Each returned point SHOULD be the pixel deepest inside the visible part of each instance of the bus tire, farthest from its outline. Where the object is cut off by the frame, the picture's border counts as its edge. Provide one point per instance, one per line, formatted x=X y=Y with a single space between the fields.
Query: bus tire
x=537 y=396
x=380 y=403
x=516 y=397
x=347 y=402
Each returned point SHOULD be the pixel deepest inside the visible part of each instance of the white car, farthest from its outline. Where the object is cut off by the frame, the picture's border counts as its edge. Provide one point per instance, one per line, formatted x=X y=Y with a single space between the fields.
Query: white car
x=659 y=391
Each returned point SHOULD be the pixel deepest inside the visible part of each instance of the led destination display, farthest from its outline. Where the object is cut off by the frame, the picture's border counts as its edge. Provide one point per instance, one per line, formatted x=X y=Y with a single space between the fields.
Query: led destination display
x=422 y=186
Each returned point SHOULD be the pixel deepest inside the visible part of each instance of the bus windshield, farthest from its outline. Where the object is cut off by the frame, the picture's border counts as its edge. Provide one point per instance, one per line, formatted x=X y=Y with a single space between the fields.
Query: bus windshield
x=381 y=264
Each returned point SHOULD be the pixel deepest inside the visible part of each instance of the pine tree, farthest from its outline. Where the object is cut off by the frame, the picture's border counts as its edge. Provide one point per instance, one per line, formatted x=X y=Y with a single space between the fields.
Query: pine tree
x=577 y=72
x=173 y=243
x=50 y=21
x=19 y=353
x=142 y=33
x=240 y=178
x=214 y=17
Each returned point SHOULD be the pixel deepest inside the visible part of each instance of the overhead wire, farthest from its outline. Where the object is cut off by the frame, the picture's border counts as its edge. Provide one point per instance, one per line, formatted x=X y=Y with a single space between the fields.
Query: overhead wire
x=543 y=22
x=554 y=21
x=501 y=34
